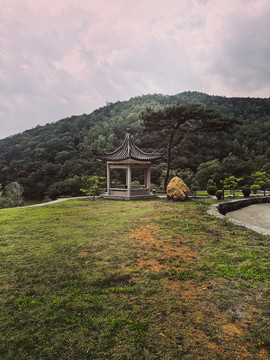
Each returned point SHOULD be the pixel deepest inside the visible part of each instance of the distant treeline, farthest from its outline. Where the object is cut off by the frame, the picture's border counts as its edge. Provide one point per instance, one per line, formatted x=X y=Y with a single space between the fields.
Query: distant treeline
x=45 y=156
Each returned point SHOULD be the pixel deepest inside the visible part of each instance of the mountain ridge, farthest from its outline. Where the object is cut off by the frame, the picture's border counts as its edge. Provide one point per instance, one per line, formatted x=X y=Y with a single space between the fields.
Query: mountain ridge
x=43 y=155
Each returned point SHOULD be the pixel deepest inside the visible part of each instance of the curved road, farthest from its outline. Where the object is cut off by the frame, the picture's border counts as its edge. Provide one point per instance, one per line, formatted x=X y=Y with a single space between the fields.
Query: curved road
x=255 y=217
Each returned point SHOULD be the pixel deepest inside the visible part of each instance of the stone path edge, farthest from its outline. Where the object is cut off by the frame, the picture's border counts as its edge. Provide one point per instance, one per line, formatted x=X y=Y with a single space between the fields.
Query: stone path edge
x=49 y=202
x=221 y=209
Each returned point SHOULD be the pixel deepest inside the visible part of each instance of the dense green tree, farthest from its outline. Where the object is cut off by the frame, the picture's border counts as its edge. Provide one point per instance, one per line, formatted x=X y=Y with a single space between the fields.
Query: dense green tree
x=4 y=203
x=210 y=170
x=187 y=175
x=68 y=187
x=262 y=178
x=266 y=167
x=231 y=183
x=44 y=155
x=13 y=192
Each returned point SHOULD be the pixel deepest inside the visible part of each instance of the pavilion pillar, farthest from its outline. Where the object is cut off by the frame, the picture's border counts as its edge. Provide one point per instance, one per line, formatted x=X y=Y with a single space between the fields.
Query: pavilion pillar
x=108 y=178
x=148 y=179
x=129 y=180
x=145 y=178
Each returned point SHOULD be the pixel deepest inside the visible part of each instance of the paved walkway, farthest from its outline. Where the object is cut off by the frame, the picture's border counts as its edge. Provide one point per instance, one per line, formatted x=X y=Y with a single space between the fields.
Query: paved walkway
x=255 y=217
x=49 y=202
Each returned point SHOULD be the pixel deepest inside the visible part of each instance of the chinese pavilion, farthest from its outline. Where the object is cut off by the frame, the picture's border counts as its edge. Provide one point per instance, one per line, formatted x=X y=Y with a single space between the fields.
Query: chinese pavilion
x=129 y=157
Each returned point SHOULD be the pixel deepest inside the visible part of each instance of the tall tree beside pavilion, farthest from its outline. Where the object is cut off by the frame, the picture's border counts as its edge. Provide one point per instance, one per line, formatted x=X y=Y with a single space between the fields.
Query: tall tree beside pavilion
x=173 y=121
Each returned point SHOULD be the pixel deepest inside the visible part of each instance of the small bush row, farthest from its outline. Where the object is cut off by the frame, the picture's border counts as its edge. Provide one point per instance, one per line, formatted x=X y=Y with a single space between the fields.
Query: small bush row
x=213 y=190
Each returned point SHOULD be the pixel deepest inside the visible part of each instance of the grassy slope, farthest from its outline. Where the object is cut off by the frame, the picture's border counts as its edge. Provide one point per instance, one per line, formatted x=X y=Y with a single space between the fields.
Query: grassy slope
x=131 y=280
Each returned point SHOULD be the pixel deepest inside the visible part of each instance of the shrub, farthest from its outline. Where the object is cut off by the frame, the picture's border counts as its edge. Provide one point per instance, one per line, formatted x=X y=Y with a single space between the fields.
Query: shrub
x=14 y=193
x=135 y=184
x=96 y=186
x=67 y=187
x=194 y=186
x=4 y=202
x=212 y=190
x=154 y=187
x=231 y=183
x=254 y=188
x=262 y=179
x=246 y=191
x=219 y=194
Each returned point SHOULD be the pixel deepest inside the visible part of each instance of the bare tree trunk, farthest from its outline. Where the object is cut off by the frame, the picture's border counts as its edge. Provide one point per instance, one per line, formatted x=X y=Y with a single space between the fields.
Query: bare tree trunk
x=165 y=183
x=166 y=179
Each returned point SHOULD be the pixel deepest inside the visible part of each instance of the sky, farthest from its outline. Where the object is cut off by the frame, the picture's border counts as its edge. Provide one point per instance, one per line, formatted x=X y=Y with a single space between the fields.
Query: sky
x=60 y=58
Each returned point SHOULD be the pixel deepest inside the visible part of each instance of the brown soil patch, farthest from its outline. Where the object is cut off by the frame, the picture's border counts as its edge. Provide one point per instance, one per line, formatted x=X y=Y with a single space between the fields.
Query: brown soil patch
x=149 y=265
x=170 y=251
x=232 y=329
x=223 y=347
x=84 y=252
x=263 y=354
x=144 y=233
x=211 y=332
x=183 y=288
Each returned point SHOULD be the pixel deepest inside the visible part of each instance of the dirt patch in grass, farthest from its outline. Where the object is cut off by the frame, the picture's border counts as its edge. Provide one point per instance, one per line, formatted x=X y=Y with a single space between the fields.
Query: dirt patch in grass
x=85 y=252
x=169 y=251
x=233 y=329
x=212 y=332
x=218 y=336
x=149 y=265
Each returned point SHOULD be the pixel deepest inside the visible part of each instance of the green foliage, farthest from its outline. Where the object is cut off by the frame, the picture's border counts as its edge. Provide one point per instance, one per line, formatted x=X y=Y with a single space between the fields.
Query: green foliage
x=219 y=194
x=246 y=191
x=4 y=202
x=187 y=175
x=211 y=170
x=254 y=188
x=211 y=190
x=250 y=269
x=194 y=186
x=154 y=187
x=67 y=187
x=13 y=192
x=180 y=274
x=135 y=183
x=171 y=122
x=233 y=165
x=231 y=183
x=262 y=178
x=45 y=155
x=96 y=186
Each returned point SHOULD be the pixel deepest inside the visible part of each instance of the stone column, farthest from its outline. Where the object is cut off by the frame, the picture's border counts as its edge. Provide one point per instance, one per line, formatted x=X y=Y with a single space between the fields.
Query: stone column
x=129 y=180
x=108 y=178
x=145 y=179
x=148 y=179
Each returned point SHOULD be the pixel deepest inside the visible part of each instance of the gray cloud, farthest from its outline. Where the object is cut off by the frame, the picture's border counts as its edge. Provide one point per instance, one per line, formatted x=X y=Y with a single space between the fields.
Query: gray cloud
x=60 y=58
x=242 y=58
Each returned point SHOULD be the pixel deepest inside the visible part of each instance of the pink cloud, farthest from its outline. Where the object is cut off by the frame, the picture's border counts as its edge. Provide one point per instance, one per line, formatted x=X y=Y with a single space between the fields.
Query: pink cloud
x=64 y=57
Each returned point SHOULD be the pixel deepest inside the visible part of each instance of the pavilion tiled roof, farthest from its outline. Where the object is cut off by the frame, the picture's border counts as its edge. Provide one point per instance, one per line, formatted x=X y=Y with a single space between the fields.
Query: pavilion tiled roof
x=128 y=150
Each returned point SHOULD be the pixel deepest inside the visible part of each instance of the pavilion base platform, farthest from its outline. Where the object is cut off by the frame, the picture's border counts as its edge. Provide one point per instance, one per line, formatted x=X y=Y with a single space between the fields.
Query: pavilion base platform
x=124 y=194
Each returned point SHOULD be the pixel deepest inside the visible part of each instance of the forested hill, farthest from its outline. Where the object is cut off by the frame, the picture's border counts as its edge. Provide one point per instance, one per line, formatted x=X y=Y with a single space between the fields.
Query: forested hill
x=42 y=156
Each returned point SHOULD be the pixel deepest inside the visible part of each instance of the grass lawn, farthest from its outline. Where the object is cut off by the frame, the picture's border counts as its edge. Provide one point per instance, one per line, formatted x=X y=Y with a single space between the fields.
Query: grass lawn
x=151 y=279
